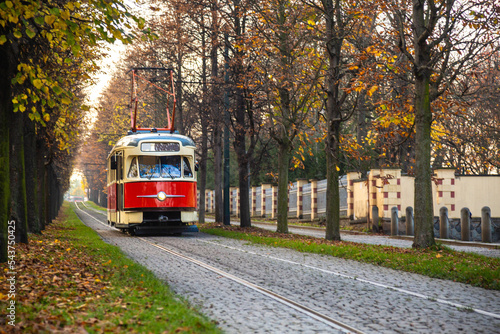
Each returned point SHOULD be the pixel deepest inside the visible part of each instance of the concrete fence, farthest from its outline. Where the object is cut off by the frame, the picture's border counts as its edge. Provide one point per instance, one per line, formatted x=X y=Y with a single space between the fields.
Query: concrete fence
x=466 y=228
x=306 y=200
x=386 y=188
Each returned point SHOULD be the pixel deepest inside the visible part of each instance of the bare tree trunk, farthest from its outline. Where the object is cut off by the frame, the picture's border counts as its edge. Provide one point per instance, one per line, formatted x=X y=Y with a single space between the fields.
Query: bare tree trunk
x=31 y=175
x=202 y=173
x=424 y=231
x=242 y=156
x=240 y=126
x=42 y=179
x=19 y=211
x=245 y=219
x=217 y=133
x=284 y=165
x=332 y=184
x=5 y=107
x=334 y=38
x=216 y=114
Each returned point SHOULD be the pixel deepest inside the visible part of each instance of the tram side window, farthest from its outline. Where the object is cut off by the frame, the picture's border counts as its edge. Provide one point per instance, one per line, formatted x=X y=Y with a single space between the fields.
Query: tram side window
x=187 y=168
x=119 y=167
x=133 y=172
x=110 y=172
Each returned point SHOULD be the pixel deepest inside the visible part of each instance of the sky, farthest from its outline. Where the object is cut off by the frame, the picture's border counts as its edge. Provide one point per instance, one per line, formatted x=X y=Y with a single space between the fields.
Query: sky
x=102 y=77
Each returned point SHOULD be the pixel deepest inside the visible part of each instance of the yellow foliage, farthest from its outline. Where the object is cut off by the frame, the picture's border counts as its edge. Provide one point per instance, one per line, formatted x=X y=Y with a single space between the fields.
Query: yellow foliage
x=372 y=90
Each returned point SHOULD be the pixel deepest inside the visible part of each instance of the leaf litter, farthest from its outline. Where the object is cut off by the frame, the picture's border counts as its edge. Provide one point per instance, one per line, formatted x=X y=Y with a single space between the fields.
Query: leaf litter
x=61 y=287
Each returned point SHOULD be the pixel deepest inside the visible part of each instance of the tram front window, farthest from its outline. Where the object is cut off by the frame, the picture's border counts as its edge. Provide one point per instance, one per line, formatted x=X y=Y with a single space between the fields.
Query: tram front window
x=148 y=167
x=170 y=166
x=155 y=167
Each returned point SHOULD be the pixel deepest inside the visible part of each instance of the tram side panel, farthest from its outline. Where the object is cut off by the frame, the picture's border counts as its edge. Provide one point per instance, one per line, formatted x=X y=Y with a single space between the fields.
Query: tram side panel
x=112 y=207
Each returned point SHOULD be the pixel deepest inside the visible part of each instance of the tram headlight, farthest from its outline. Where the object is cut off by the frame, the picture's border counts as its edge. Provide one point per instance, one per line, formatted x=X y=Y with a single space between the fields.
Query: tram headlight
x=161 y=196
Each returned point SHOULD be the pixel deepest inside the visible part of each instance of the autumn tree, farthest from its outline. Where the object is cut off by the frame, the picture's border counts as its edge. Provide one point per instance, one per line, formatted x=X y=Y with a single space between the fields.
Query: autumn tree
x=245 y=119
x=289 y=70
x=345 y=25
x=441 y=39
x=47 y=49
x=206 y=102
x=470 y=138
x=92 y=162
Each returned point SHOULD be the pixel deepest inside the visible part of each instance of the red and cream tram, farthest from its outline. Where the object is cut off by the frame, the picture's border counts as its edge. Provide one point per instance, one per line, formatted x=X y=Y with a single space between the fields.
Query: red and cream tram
x=152 y=181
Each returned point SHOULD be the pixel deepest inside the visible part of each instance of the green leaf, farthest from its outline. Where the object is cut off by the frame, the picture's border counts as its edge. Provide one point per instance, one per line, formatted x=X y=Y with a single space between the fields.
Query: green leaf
x=30 y=33
x=75 y=49
x=3 y=39
x=18 y=34
x=39 y=20
x=58 y=90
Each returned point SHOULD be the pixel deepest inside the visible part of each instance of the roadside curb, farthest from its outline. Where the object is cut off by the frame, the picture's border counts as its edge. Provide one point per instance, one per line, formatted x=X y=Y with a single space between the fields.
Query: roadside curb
x=400 y=237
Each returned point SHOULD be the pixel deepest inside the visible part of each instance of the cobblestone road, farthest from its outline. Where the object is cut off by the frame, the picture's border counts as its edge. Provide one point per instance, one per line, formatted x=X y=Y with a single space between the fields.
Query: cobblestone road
x=367 y=297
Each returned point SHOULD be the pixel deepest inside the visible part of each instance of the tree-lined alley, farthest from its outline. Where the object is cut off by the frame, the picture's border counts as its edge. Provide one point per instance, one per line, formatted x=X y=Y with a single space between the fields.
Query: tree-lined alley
x=307 y=88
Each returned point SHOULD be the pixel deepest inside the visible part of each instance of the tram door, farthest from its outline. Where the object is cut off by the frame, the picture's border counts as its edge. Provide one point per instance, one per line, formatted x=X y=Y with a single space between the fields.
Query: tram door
x=119 y=188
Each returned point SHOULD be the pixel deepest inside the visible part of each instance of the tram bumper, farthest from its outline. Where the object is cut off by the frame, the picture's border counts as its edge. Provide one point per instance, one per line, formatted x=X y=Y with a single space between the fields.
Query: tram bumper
x=164 y=229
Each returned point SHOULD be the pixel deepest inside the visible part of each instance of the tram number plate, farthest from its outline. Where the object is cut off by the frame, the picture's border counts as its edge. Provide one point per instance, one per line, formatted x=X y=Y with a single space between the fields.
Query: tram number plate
x=160 y=147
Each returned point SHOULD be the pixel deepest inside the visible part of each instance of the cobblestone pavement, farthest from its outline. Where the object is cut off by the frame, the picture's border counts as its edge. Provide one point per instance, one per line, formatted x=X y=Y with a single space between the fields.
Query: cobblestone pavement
x=367 y=297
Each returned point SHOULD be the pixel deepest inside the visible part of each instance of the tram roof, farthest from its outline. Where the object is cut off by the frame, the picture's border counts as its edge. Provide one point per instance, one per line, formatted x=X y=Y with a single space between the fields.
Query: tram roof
x=133 y=139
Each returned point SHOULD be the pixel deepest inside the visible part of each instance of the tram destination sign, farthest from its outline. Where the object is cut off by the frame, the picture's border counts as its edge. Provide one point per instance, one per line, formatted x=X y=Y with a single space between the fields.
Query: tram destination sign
x=160 y=147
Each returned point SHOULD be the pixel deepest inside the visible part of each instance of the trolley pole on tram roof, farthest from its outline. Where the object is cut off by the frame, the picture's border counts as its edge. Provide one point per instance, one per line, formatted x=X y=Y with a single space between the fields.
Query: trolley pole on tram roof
x=227 y=213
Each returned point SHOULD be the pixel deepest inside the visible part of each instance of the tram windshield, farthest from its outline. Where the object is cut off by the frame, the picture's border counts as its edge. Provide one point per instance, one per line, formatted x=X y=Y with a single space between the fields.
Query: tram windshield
x=148 y=167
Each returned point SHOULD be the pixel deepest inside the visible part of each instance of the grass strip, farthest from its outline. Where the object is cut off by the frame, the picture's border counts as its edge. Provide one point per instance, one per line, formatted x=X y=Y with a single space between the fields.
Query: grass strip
x=438 y=262
x=71 y=281
x=95 y=206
